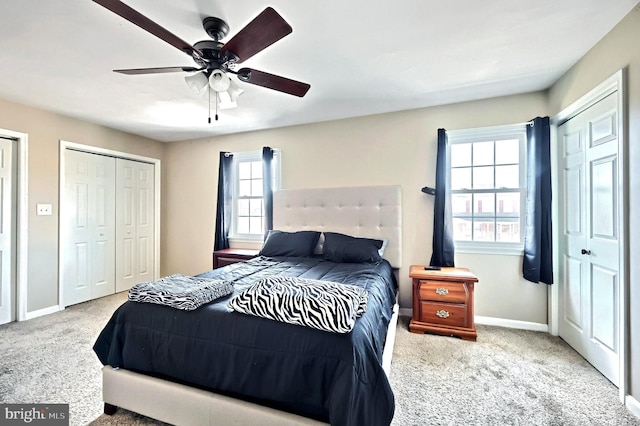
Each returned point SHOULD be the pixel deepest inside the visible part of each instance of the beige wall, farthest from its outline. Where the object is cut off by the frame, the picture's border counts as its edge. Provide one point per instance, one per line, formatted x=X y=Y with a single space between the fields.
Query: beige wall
x=44 y=131
x=389 y=149
x=619 y=49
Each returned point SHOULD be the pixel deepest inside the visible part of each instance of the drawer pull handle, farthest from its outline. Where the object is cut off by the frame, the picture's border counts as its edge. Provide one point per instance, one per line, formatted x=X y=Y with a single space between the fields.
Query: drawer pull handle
x=442 y=313
x=442 y=291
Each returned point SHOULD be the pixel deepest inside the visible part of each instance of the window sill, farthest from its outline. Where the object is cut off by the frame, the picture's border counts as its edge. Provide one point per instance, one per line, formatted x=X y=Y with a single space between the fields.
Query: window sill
x=489 y=249
x=246 y=241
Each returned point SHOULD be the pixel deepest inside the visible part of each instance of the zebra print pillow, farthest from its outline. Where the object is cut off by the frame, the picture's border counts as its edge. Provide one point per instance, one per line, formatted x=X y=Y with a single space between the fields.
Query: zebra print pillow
x=180 y=291
x=323 y=305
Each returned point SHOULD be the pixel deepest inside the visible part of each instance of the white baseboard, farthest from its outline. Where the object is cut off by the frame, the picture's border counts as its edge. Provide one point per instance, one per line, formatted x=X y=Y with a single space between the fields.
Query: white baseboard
x=521 y=325
x=45 y=311
x=633 y=405
x=499 y=322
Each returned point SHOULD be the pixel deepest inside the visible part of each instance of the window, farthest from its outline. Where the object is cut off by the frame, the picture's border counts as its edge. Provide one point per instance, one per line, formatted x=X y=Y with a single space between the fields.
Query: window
x=488 y=194
x=247 y=210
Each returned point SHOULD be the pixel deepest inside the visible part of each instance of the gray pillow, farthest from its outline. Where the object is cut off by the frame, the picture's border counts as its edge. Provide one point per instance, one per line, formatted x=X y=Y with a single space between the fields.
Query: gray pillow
x=294 y=244
x=343 y=248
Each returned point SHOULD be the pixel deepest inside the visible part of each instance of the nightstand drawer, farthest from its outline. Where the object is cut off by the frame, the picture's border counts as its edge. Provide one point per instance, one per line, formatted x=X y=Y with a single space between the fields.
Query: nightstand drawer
x=443 y=291
x=224 y=261
x=443 y=313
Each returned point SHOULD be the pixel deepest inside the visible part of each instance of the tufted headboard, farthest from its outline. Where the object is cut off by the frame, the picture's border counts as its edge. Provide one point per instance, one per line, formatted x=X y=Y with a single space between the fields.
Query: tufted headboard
x=365 y=211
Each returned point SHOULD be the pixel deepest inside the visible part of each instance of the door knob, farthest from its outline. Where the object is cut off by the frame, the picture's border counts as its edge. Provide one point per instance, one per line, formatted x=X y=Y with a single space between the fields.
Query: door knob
x=583 y=251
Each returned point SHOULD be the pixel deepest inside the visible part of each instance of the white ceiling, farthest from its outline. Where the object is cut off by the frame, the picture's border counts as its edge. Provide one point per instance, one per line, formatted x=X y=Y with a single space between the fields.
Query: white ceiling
x=360 y=57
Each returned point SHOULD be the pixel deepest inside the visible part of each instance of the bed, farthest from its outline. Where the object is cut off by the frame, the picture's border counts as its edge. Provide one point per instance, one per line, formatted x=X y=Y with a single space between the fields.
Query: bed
x=240 y=370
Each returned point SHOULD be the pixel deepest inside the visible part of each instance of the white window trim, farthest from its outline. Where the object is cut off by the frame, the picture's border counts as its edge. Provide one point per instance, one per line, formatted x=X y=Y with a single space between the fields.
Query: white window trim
x=241 y=157
x=483 y=247
x=515 y=131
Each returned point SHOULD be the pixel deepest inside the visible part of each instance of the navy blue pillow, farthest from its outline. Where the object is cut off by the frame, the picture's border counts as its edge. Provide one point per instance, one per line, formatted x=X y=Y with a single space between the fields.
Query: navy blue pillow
x=347 y=249
x=295 y=244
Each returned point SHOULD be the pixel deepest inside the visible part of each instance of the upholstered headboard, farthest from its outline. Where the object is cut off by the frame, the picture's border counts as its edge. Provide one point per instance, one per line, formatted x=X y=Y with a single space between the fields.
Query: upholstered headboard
x=365 y=211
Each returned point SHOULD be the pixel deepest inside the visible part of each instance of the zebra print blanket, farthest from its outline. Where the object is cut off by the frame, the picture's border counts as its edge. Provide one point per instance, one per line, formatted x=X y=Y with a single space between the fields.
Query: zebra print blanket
x=323 y=305
x=180 y=291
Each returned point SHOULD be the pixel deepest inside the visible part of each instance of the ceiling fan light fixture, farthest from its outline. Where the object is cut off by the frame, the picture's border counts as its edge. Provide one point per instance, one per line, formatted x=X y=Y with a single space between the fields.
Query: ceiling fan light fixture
x=197 y=82
x=227 y=99
x=219 y=81
x=234 y=91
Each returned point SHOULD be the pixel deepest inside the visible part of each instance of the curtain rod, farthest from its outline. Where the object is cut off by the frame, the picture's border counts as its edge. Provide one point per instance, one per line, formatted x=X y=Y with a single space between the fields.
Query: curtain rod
x=524 y=123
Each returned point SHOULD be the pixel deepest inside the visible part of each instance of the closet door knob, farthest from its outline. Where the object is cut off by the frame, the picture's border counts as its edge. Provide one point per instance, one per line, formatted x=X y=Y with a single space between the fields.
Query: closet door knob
x=583 y=251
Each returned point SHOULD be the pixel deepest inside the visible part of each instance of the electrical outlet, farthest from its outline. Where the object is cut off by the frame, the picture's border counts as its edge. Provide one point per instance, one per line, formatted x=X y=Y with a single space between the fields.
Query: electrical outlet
x=43 y=209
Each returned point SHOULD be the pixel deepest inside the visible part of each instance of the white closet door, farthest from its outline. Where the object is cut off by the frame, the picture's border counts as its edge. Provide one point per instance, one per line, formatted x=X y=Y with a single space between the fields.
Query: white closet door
x=89 y=224
x=589 y=282
x=7 y=284
x=134 y=223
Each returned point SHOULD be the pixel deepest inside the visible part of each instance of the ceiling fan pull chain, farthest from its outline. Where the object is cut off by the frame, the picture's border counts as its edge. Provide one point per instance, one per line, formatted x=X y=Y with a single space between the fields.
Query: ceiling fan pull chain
x=209 y=93
x=216 y=105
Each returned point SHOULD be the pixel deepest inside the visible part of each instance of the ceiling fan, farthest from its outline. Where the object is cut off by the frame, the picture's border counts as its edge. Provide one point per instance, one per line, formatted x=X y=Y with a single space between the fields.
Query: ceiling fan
x=215 y=59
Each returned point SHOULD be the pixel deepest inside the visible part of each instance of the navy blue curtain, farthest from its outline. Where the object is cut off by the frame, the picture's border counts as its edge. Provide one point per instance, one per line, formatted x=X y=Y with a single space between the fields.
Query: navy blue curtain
x=537 y=264
x=267 y=187
x=223 y=212
x=443 y=248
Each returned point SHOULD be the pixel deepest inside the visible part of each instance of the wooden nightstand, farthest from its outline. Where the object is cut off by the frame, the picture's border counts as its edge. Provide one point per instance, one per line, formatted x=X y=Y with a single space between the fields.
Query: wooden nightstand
x=232 y=255
x=443 y=302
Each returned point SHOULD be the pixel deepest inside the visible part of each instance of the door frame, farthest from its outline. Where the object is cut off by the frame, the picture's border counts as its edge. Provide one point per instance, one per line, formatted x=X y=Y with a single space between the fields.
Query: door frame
x=617 y=82
x=64 y=145
x=22 y=221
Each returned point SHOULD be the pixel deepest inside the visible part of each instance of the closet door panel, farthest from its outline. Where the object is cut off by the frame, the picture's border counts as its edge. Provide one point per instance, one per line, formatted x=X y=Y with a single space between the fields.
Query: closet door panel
x=134 y=223
x=145 y=226
x=89 y=226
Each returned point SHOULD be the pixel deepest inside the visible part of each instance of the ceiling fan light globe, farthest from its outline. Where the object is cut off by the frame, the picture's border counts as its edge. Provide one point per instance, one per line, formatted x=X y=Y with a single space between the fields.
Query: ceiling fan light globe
x=197 y=82
x=225 y=101
x=219 y=81
x=234 y=91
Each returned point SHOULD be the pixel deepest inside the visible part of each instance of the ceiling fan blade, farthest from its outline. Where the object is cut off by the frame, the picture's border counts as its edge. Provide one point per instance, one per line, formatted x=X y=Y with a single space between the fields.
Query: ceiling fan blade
x=130 y=14
x=275 y=82
x=135 y=71
x=266 y=28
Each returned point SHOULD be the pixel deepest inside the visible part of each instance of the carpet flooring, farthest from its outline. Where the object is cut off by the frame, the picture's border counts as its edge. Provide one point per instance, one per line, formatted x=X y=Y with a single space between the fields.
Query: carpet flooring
x=507 y=377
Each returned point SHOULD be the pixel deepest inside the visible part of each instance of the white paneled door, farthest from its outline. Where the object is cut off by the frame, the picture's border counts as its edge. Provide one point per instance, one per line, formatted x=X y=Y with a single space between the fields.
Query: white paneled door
x=89 y=226
x=7 y=281
x=134 y=223
x=108 y=222
x=589 y=282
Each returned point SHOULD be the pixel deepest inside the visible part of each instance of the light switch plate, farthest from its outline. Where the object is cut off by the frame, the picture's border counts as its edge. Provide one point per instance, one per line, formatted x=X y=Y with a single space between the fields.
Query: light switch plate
x=43 y=209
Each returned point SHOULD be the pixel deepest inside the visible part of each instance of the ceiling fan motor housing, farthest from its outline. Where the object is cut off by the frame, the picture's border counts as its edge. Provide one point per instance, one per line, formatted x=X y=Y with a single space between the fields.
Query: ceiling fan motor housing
x=211 y=58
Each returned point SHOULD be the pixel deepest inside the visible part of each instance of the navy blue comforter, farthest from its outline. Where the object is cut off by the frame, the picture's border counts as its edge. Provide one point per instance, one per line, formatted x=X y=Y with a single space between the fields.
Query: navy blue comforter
x=331 y=377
